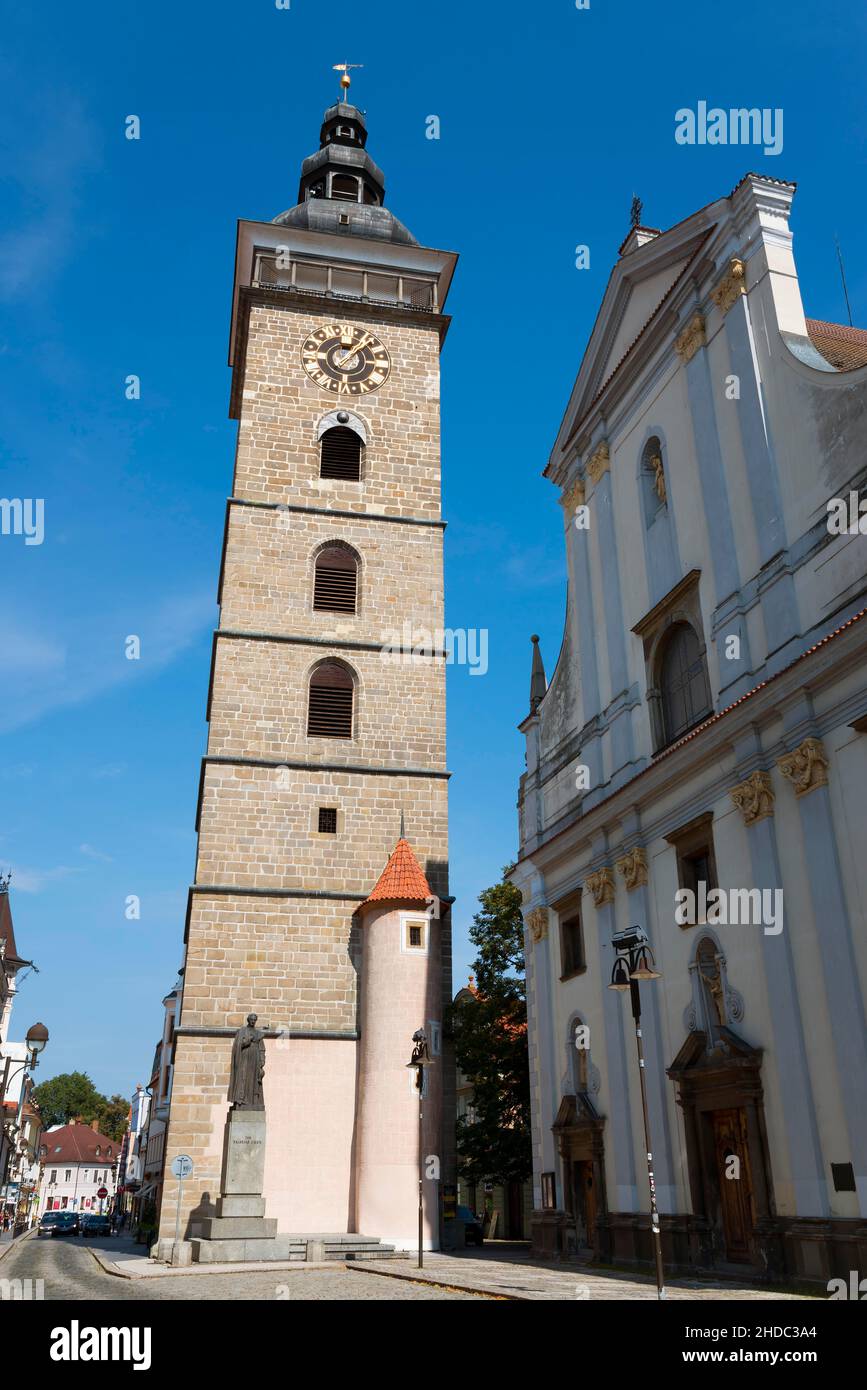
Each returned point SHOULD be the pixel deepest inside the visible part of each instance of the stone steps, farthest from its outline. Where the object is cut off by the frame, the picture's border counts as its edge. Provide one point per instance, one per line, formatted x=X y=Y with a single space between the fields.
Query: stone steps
x=243 y=1248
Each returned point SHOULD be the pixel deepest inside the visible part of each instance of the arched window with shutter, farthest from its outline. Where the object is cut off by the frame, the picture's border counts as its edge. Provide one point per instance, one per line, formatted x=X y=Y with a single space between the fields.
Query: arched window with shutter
x=335 y=580
x=344 y=187
x=683 y=682
x=330 y=701
x=340 y=455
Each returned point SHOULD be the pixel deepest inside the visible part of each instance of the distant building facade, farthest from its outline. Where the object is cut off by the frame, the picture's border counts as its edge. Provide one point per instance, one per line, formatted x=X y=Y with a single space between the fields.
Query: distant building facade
x=704 y=730
x=77 y=1163
x=131 y=1171
x=153 y=1113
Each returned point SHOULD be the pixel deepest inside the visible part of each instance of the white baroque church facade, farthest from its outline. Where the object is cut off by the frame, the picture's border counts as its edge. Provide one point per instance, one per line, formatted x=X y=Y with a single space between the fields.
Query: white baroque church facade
x=704 y=732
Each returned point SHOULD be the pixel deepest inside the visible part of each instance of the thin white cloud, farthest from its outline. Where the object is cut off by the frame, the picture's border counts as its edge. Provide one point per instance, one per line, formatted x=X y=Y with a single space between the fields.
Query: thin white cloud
x=91 y=853
x=48 y=168
x=28 y=880
x=108 y=770
x=45 y=671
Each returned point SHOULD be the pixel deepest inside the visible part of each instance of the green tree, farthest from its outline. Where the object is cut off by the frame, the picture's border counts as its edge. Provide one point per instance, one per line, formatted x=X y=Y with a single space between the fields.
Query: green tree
x=113 y=1117
x=65 y=1097
x=490 y=1036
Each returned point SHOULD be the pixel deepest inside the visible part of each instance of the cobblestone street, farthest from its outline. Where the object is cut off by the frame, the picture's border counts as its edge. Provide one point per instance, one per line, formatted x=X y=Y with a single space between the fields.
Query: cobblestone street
x=71 y=1272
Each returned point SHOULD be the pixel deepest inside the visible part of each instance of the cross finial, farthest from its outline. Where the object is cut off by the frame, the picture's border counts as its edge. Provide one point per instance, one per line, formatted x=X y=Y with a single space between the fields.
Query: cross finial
x=402 y=826
x=635 y=211
x=345 y=80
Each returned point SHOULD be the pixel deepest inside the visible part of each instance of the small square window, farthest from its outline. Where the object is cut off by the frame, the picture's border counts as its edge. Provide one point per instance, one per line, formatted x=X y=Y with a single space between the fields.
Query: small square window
x=327 y=820
x=414 y=935
x=844 y=1177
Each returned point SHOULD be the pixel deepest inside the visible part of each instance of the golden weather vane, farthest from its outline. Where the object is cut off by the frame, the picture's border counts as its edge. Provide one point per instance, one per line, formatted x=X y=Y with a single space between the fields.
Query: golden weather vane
x=345 y=80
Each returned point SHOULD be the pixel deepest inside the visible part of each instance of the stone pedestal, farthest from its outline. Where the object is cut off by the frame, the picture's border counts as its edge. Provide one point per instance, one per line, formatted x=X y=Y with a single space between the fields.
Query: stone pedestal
x=241 y=1231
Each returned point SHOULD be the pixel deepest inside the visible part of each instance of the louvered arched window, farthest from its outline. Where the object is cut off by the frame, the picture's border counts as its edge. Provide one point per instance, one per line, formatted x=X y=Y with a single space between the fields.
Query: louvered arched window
x=330 y=701
x=341 y=454
x=683 y=682
x=335 y=582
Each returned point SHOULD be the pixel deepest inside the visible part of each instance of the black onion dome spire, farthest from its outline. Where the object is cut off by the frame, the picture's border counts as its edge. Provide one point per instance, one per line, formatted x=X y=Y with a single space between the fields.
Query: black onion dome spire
x=341 y=189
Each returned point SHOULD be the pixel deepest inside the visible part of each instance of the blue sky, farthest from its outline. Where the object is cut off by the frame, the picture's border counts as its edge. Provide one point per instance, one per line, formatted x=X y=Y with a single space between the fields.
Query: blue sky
x=116 y=258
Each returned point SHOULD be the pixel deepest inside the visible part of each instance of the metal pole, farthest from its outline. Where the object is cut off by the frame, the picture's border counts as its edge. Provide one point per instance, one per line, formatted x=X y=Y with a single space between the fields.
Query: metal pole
x=420 y=1083
x=178 y=1212
x=654 y=1214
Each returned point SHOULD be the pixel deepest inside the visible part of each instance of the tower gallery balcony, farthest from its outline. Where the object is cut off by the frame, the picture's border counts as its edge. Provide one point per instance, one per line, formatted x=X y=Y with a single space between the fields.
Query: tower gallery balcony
x=275 y=271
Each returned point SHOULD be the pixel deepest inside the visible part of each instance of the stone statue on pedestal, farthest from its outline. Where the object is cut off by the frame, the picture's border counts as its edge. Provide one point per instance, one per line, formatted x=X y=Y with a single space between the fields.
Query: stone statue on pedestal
x=248 y=1067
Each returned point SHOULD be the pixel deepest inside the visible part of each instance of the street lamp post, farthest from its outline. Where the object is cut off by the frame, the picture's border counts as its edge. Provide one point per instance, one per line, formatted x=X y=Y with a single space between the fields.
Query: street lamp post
x=420 y=1059
x=635 y=962
x=36 y=1039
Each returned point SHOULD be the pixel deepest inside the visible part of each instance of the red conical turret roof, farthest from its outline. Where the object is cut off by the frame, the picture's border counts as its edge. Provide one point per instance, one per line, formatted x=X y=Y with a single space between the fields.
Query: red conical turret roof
x=402 y=880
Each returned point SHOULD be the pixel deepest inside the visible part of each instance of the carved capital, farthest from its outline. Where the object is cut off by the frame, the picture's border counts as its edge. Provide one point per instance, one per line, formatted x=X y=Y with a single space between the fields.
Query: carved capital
x=731 y=286
x=754 y=798
x=633 y=867
x=537 y=922
x=687 y=343
x=573 y=497
x=806 y=767
x=598 y=462
x=601 y=885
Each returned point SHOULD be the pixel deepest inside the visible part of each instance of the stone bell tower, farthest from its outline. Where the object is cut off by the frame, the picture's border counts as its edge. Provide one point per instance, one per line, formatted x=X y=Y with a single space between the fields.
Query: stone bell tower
x=323 y=732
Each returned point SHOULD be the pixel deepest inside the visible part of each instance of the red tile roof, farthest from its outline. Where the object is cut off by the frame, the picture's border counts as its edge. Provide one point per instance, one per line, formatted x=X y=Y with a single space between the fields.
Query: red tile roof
x=842 y=346
x=402 y=880
x=78 y=1144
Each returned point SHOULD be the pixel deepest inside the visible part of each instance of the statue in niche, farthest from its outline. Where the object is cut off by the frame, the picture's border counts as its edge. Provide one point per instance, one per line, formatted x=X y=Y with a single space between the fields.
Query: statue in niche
x=711 y=978
x=656 y=466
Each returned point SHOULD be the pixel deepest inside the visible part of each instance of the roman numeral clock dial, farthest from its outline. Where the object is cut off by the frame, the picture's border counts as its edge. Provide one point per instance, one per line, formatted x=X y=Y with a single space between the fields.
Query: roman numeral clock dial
x=348 y=361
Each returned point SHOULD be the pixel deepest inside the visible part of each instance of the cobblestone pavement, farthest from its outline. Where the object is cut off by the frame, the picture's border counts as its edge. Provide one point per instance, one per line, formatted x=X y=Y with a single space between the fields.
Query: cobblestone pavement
x=71 y=1273
x=512 y=1273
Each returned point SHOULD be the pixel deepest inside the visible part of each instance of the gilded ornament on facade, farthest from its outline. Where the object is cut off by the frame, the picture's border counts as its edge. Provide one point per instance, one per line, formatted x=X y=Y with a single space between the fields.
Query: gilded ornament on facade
x=731 y=286
x=601 y=885
x=537 y=922
x=754 y=798
x=688 y=342
x=633 y=868
x=655 y=462
x=598 y=462
x=573 y=497
x=806 y=767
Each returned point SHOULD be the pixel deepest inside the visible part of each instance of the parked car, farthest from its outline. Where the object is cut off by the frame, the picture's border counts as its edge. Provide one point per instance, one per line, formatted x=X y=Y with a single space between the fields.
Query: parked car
x=95 y=1225
x=473 y=1232
x=59 y=1223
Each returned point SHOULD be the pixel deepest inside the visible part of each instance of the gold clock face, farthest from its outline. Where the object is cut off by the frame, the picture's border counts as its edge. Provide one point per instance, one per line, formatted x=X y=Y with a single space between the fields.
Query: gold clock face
x=346 y=360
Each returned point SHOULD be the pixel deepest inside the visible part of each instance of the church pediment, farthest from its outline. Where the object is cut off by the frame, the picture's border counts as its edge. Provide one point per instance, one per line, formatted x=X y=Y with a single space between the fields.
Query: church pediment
x=641 y=284
x=576 y=1111
x=701 y=1053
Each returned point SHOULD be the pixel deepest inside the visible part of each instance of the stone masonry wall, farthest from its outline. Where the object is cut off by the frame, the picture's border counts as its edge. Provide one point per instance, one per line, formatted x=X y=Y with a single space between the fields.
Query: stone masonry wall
x=295 y=960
